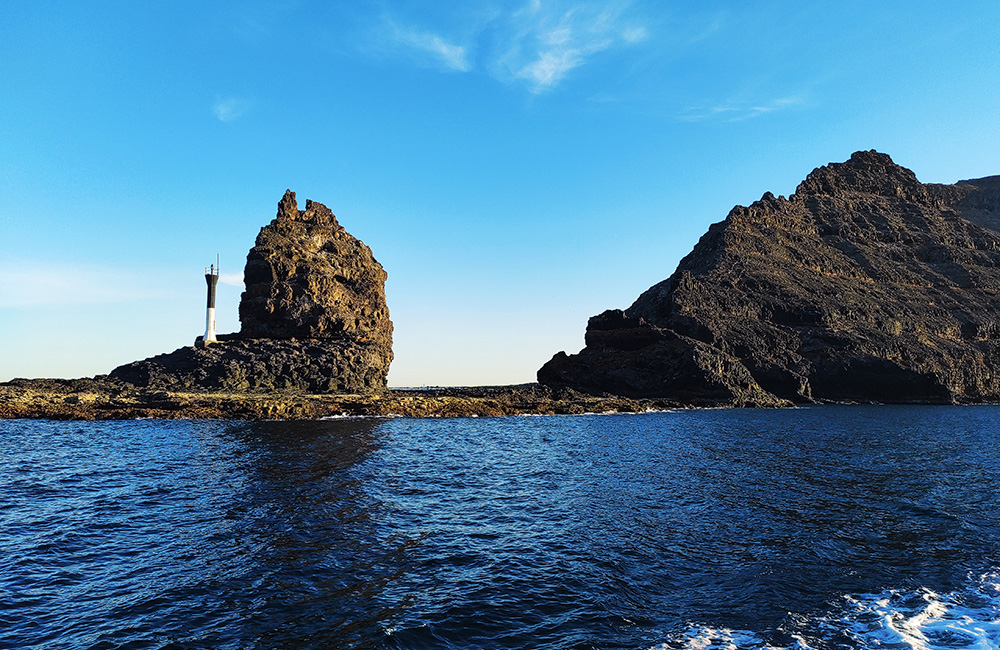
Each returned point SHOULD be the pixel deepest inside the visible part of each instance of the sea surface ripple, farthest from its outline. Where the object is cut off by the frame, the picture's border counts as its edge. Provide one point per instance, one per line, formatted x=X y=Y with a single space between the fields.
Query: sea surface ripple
x=821 y=527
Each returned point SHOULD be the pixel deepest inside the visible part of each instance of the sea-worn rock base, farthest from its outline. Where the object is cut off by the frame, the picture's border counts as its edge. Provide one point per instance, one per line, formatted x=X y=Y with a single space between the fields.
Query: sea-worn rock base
x=262 y=365
x=628 y=356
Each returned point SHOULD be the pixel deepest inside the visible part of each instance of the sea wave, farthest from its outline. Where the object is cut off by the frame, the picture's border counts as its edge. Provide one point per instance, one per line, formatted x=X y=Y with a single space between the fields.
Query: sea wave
x=919 y=619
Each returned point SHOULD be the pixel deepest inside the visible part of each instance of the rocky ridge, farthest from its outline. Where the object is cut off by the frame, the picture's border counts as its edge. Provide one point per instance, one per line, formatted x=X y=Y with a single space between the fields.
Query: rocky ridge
x=313 y=317
x=864 y=285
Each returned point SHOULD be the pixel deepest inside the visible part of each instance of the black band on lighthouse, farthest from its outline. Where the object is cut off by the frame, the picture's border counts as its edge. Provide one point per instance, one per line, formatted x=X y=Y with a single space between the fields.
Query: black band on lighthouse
x=212 y=280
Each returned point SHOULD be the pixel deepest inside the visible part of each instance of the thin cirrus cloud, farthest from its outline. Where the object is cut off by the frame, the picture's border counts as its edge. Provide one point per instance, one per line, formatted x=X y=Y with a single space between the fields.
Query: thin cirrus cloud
x=431 y=45
x=537 y=45
x=546 y=42
x=30 y=285
x=232 y=279
x=738 y=111
x=227 y=109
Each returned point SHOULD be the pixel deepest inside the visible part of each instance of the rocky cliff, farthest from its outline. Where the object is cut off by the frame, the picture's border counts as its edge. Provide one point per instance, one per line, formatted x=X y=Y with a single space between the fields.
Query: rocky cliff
x=308 y=278
x=865 y=284
x=313 y=317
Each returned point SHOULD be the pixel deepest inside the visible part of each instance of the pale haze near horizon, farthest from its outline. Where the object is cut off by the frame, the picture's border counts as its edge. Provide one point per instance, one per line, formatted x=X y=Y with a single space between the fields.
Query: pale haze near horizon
x=516 y=167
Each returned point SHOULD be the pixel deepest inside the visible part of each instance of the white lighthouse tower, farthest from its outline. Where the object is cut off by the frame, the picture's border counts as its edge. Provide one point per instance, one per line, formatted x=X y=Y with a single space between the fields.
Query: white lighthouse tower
x=212 y=278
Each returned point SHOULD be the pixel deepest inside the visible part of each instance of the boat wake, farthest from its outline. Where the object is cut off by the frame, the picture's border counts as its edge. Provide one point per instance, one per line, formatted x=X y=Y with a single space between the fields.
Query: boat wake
x=917 y=619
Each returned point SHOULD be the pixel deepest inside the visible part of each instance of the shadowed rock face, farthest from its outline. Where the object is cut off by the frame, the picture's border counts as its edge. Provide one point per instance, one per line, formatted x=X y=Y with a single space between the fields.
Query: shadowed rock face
x=863 y=285
x=263 y=366
x=314 y=317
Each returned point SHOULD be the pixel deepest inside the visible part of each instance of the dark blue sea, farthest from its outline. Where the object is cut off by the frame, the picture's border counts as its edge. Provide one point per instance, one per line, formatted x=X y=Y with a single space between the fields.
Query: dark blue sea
x=820 y=527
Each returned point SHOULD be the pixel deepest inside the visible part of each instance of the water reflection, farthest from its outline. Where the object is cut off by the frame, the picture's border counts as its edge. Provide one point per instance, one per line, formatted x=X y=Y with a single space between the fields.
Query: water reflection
x=314 y=556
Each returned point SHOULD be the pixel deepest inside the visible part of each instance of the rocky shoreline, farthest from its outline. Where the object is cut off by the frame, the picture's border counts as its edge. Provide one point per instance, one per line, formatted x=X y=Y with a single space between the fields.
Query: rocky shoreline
x=103 y=398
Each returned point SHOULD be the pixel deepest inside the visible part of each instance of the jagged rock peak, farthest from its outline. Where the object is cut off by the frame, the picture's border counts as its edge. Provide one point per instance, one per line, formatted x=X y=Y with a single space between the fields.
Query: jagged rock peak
x=868 y=172
x=307 y=277
x=288 y=210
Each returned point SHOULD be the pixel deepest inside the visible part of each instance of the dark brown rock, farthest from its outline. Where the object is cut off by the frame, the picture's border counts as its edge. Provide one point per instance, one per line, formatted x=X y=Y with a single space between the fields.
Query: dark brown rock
x=863 y=285
x=263 y=365
x=307 y=277
x=628 y=356
x=314 y=317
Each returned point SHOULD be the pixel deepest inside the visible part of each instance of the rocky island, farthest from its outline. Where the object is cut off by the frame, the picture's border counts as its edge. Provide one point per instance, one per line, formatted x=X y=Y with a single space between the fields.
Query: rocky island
x=315 y=341
x=313 y=317
x=863 y=285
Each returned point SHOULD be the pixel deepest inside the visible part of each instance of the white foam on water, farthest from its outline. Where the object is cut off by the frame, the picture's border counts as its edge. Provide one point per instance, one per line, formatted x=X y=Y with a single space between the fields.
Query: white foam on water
x=349 y=416
x=697 y=637
x=925 y=620
x=607 y=413
x=905 y=619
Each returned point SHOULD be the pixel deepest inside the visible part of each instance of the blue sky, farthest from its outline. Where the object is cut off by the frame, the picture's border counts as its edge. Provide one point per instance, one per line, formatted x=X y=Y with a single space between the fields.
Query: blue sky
x=515 y=166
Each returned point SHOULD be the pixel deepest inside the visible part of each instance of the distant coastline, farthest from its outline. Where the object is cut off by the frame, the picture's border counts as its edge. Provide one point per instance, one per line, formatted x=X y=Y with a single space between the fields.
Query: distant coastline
x=102 y=398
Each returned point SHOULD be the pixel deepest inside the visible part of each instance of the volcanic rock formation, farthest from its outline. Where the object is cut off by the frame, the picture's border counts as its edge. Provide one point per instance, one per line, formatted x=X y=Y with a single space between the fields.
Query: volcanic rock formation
x=313 y=317
x=307 y=278
x=865 y=284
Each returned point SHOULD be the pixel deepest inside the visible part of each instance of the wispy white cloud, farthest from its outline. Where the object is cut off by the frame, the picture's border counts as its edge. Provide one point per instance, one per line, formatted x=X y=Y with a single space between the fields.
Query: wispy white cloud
x=428 y=45
x=232 y=279
x=635 y=34
x=33 y=285
x=228 y=109
x=452 y=56
x=738 y=111
x=536 y=45
x=544 y=42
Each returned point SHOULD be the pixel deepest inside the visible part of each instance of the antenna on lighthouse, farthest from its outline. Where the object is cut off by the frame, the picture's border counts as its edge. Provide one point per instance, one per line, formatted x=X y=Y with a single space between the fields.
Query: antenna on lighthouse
x=212 y=279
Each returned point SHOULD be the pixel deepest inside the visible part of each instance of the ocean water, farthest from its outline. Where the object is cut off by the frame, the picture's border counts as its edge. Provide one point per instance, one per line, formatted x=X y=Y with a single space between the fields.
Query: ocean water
x=824 y=527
